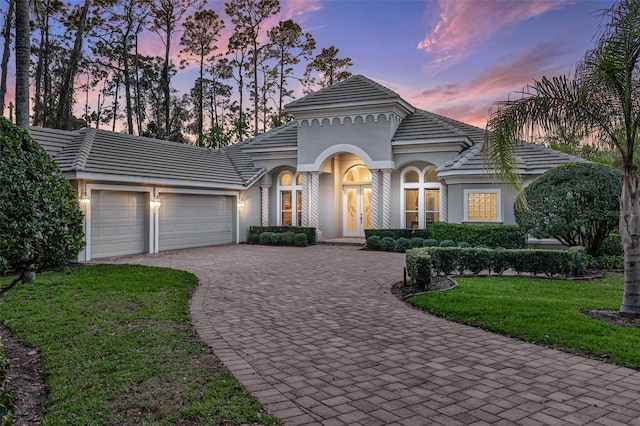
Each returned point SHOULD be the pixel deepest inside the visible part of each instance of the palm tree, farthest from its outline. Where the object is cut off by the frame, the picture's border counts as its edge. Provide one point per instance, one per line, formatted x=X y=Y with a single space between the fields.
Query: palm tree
x=603 y=98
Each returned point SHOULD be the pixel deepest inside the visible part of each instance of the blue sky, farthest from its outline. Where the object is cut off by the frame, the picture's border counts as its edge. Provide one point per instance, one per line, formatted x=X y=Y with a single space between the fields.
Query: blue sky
x=452 y=57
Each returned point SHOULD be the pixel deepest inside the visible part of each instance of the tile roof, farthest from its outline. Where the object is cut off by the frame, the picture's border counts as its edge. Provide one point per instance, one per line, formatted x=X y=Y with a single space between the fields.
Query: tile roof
x=108 y=153
x=425 y=125
x=354 y=89
x=283 y=137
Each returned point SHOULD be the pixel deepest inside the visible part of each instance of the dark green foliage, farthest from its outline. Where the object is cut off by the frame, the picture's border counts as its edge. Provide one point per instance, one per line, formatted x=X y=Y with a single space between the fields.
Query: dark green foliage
x=300 y=239
x=253 y=238
x=575 y=203
x=447 y=243
x=474 y=261
x=402 y=244
x=7 y=397
x=277 y=238
x=265 y=237
x=288 y=238
x=430 y=242
x=612 y=245
x=464 y=244
x=387 y=243
x=397 y=233
x=416 y=242
x=609 y=262
x=373 y=242
x=418 y=263
x=444 y=260
x=507 y=236
x=500 y=260
x=40 y=220
x=310 y=232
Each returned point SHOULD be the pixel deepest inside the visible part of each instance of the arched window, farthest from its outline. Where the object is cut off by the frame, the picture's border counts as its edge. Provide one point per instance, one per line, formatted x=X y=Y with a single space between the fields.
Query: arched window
x=289 y=199
x=420 y=197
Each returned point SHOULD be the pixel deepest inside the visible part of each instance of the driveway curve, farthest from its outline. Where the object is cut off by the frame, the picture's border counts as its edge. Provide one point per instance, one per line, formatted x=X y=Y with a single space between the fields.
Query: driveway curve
x=316 y=335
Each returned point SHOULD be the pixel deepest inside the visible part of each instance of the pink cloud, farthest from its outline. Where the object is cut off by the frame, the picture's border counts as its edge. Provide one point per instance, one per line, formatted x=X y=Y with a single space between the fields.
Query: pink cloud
x=470 y=101
x=464 y=24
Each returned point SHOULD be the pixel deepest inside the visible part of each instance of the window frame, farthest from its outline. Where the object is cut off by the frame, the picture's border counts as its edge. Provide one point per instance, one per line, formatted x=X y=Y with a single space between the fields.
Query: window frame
x=421 y=186
x=465 y=203
x=293 y=188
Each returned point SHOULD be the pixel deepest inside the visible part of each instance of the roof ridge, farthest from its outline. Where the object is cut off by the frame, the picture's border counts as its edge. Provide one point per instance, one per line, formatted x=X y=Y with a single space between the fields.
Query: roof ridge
x=82 y=156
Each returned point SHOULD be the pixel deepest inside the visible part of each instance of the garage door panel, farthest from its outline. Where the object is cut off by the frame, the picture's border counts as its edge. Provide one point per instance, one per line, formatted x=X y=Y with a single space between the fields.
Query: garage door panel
x=117 y=223
x=188 y=220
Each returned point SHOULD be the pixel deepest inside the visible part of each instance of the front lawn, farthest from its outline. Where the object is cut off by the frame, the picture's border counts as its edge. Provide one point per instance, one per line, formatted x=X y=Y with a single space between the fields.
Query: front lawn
x=542 y=311
x=118 y=348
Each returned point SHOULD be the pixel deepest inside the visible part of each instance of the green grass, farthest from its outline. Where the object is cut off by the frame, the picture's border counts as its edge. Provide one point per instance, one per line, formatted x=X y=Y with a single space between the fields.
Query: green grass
x=543 y=311
x=118 y=348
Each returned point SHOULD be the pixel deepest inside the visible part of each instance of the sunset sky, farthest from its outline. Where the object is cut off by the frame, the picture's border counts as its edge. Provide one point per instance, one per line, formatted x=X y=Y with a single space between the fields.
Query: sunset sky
x=452 y=57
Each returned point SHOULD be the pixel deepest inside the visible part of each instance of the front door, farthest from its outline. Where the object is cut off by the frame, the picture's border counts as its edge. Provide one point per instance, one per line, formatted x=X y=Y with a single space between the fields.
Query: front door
x=357 y=210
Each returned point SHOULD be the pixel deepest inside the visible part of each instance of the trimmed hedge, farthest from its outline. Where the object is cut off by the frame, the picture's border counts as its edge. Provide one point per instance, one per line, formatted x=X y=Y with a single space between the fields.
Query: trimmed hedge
x=492 y=236
x=280 y=239
x=256 y=231
x=446 y=260
x=418 y=263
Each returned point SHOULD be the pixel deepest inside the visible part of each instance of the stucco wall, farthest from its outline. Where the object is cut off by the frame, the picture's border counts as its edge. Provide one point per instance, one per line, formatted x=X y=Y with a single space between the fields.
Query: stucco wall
x=249 y=215
x=456 y=201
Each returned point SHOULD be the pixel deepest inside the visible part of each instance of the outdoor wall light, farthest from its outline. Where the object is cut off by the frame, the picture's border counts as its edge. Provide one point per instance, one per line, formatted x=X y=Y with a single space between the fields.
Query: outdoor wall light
x=240 y=204
x=84 y=198
x=156 y=202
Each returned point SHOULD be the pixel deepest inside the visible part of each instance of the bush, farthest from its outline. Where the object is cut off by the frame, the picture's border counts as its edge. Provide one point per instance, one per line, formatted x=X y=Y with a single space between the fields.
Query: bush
x=612 y=246
x=500 y=260
x=397 y=233
x=492 y=236
x=447 y=243
x=576 y=203
x=277 y=238
x=40 y=219
x=310 y=232
x=373 y=242
x=416 y=242
x=387 y=244
x=609 y=262
x=464 y=244
x=265 y=237
x=402 y=244
x=474 y=260
x=300 y=239
x=288 y=238
x=430 y=242
x=418 y=263
x=253 y=238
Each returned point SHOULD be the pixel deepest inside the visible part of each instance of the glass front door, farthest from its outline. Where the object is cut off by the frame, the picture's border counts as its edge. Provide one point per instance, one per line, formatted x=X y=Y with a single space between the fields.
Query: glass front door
x=356 y=210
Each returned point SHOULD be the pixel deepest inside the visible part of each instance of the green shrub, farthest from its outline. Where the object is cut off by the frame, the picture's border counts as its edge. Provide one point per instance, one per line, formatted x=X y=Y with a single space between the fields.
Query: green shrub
x=500 y=260
x=464 y=244
x=609 y=262
x=265 y=237
x=288 y=238
x=300 y=239
x=373 y=242
x=310 y=232
x=387 y=244
x=418 y=262
x=416 y=242
x=277 y=238
x=397 y=233
x=578 y=261
x=253 y=238
x=402 y=244
x=430 y=242
x=507 y=236
x=444 y=260
x=474 y=260
x=447 y=243
x=612 y=246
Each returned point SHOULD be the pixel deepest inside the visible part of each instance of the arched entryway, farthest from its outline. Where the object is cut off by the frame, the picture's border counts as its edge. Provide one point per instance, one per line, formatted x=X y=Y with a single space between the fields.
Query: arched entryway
x=356 y=204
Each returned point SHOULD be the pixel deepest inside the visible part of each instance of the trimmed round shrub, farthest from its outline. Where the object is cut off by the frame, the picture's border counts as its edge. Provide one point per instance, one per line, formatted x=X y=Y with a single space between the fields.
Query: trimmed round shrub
x=277 y=238
x=500 y=260
x=612 y=246
x=430 y=242
x=265 y=237
x=253 y=238
x=464 y=244
x=300 y=239
x=373 y=242
x=402 y=244
x=447 y=243
x=388 y=244
x=416 y=242
x=288 y=238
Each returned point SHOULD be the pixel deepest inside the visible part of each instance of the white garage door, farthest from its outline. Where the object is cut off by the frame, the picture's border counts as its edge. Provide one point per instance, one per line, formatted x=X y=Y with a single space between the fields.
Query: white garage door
x=117 y=223
x=188 y=220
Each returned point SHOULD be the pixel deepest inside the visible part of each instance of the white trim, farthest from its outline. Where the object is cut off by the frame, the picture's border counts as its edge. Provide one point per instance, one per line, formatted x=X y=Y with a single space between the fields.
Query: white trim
x=421 y=186
x=465 y=202
x=153 y=181
x=342 y=148
x=294 y=188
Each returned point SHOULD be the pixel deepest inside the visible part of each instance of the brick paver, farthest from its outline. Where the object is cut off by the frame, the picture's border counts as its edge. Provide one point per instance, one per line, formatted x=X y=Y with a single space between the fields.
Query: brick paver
x=317 y=337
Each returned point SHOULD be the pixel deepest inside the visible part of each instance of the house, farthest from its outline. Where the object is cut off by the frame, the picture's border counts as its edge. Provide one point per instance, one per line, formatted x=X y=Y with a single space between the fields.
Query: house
x=356 y=156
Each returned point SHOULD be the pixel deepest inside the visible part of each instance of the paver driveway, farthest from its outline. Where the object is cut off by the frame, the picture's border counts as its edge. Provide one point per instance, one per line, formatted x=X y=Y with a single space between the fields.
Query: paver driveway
x=317 y=337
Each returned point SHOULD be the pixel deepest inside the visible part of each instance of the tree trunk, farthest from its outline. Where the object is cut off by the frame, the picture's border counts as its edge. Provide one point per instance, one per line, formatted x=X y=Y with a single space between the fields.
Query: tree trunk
x=166 y=85
x=5 y=54
x=63 y=112
x=23 y=58
x=629 y=232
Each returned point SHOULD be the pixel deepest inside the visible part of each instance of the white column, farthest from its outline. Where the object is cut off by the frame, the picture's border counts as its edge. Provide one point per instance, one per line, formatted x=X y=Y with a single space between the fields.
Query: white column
x=264 y=205
x=305 y=199
x=314 y=202
x=386 y=198
x=375 y=191
x=444 y=202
